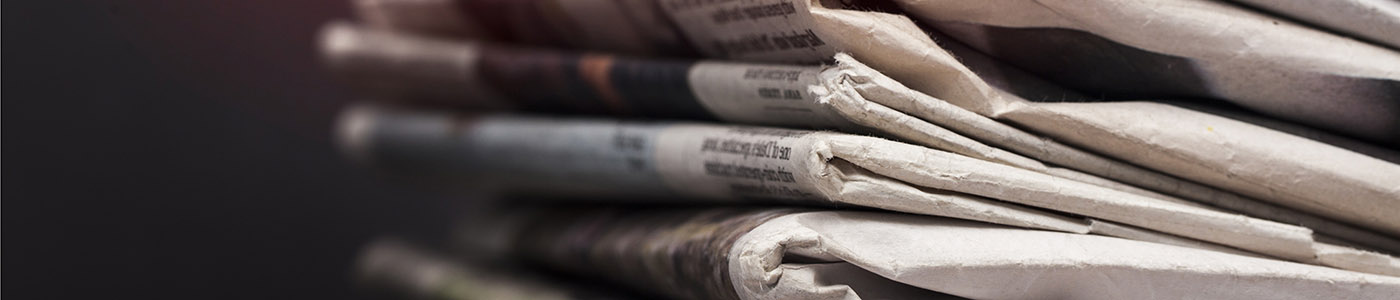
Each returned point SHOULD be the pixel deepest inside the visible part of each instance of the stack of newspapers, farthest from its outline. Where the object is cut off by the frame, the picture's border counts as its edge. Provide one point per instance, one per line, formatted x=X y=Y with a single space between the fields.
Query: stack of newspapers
x=895 y=149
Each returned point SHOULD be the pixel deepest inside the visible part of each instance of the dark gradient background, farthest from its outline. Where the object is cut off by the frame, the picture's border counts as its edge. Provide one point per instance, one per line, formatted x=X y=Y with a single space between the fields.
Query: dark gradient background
x=159 y=149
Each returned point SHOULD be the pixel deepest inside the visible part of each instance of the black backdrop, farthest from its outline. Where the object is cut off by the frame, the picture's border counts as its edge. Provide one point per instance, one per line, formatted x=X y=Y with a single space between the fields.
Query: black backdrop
x=158 y=149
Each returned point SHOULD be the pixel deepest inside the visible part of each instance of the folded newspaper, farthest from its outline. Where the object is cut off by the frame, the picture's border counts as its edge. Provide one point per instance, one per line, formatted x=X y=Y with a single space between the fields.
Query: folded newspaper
x=845 y=96
x=724 y=164
x=757 y=253
x=1189 y=48
x=1008 y=176
x=1264 y=74
x=1161 y=48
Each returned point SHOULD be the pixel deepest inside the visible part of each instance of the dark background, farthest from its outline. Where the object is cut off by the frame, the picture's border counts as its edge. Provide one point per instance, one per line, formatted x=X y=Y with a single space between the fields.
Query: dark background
x=159 y=149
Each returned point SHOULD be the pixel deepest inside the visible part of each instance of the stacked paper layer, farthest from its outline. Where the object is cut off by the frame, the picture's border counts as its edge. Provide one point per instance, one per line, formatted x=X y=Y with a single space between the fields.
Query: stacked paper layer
x=1012 y=148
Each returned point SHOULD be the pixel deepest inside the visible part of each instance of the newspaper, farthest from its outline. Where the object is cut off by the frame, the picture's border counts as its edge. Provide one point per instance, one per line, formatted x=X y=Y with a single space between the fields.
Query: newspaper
x=757 y=253
x=538 y=80
x=885 y=90
x=988 y=262
x=1358 y=146
x=676 y=254
x=598 y=158
x=1252 y=156
x=1199 y=49
x=1235 y=54
x=1373 y=20
x=896 y=47
x=846 y=96
x=403 y=269
x=1235 y=156
x=602 y=158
